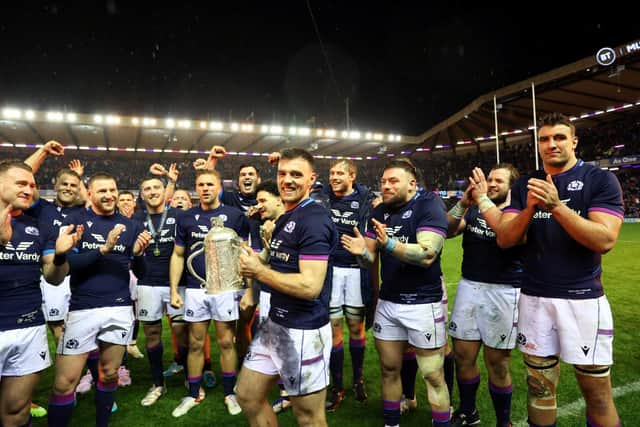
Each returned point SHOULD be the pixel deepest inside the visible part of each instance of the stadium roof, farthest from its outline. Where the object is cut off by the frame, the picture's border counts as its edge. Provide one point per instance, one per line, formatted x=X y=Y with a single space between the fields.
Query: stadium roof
x=585 y=90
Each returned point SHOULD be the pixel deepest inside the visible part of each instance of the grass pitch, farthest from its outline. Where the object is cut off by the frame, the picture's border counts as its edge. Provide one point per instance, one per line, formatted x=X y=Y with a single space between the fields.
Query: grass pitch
x=620 y=278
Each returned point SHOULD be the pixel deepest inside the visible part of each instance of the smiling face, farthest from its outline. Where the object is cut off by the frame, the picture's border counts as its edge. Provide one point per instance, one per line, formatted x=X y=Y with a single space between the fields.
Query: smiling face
x=152 y=191
x=341 y=178
x=269 y=206
x=17 y=187
x=67 y=188
x=398 y=186
x=103 y=194
x=248 y=179
x=498 y=184
x=295 y=177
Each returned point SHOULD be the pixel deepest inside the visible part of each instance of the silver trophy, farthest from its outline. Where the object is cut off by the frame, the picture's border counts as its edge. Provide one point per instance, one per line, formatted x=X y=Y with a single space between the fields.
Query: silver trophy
x=222 y=248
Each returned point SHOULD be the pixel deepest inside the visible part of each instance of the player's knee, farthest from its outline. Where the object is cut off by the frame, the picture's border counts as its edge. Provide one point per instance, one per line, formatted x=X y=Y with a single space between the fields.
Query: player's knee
x=542 y=379
x=389 y=370
x=225 y=343
x=109 y=375
x=595 y=386
x=430 y=367
x=246 y=398
x=498 y=369
x=17 y=407
x=336 y=314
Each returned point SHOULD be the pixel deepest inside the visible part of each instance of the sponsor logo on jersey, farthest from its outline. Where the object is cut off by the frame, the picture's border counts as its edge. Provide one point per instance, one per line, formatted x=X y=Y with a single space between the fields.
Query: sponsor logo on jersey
x=203 y=228
x=98 y=238
x=197 y=216
x=89 y=223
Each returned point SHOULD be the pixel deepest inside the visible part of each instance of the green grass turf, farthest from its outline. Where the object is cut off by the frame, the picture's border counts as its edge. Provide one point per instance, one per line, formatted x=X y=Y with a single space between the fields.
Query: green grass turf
x=621 y=273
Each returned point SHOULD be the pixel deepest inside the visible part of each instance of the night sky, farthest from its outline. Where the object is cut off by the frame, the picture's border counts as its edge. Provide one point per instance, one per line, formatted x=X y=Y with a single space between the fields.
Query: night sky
x=403 y=65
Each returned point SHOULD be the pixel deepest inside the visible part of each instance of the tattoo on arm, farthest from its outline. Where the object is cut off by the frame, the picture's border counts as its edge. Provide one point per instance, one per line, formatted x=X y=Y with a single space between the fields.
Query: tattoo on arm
x=422 y=253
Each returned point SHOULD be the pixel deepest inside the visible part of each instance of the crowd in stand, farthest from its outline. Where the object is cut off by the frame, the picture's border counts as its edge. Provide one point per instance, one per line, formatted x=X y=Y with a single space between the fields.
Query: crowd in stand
x=441 y=171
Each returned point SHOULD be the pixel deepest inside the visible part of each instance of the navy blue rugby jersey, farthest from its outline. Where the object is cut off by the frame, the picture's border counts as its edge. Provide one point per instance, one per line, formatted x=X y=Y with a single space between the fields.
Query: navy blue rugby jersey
x=158 y=254
x=244 y=202
x=106 y=282
x=405 y=283
x=482 y=259
x=556 y=266
x=305 y=232
x=193 y=226
x=20 y=295
x=348 y=212
x=50 y=213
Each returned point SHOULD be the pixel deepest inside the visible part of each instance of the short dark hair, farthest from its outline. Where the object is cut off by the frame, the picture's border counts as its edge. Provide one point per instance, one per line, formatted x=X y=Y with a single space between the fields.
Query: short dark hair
x=405 y=164
x=149 y=178
x=553 y=119
x=248 y=165
x=5 y=165
x=100 y=175
x=295 y=153
x=125 y=192
x=269 y=186
x=514 y=174
x=351 y=165
x=66 y=171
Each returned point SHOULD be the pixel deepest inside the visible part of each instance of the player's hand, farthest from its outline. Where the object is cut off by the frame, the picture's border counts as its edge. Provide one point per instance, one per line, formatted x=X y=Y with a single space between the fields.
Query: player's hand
x=544 y=192
x=6 y=231
x=355 y=245
x=112 y=238
x=175 y=300
x=77 y=166
x=250 y=264
x=266 y=231
x=381 y=232
x=53 y=148
x=477 y=184
x=217 y=152
x=142 y=243
x=157 y=169
x=173 y=172
x=199 y=164
x=247 y=302
x=68 y=238
x=274 y=158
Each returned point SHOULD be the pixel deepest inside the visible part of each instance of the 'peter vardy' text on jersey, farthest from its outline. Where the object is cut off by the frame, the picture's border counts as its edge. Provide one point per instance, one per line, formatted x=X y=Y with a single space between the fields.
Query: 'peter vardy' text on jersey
x=346 y=214
x=157 y=266
x=483 y=260
x=20 y=296
x=556 y=266
x=405 y=283
x=106 y=282
x=303 y=233
x=193 y=226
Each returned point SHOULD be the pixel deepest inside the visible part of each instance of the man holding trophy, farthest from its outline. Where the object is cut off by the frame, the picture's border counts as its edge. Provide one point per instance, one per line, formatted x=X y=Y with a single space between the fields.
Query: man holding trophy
x=216 y=297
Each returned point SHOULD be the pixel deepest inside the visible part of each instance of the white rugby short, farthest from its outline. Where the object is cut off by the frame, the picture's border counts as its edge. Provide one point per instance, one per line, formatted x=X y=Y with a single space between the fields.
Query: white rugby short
x=345 y=288
x=579 y=330
x=300 y=357
x=24 y=351
x=152 y=300
x=55 y=299
x=421 y=325
x=84 y=328
x=223 y=307
x=485 y=312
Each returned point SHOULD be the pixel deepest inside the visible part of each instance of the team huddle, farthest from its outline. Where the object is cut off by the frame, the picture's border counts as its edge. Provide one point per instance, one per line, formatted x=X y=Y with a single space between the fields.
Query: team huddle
x=311 y=257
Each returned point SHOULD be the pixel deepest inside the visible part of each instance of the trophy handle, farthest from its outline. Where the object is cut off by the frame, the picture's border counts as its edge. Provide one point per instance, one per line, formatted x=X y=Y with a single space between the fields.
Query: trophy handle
x=203 y=282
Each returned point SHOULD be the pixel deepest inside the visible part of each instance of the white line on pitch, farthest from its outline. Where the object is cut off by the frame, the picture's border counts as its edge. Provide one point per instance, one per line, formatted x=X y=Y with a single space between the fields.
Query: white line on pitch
x=576 y=408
